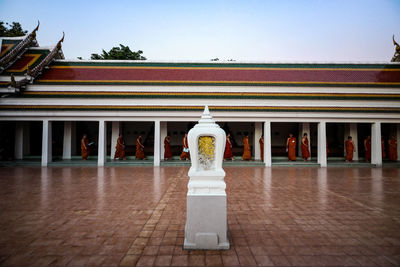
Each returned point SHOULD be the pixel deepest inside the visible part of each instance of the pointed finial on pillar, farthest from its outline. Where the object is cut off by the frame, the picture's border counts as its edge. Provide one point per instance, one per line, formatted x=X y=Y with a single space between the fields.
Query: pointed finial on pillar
x=206 y=117
x=206 y=111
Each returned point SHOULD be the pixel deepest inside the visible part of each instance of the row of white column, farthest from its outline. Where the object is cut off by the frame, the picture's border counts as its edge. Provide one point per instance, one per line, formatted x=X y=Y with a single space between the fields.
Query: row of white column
x=351 y=129
x=160 y=132
x=305 y=128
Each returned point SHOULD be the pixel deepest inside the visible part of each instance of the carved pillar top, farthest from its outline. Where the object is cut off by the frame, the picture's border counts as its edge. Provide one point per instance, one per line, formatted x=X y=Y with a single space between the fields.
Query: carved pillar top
x=206 y=144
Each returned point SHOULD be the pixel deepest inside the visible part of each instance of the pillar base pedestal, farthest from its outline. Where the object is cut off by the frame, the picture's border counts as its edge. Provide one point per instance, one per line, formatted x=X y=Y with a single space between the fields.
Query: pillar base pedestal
x=206 y=225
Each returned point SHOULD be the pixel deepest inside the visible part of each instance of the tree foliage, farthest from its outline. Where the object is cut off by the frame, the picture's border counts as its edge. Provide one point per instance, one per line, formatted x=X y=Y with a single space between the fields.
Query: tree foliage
x=11 y=30
x=121 y=52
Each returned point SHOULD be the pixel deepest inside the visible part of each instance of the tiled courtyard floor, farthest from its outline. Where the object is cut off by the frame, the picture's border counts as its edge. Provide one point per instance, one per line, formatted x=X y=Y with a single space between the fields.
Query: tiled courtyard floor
x=298 y=216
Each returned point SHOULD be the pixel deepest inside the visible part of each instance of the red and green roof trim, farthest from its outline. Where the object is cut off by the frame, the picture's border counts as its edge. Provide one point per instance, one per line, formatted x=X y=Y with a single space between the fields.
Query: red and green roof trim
x=197 y=108
x=31 y=58
x=212 y=95
x=216 y=74
x=8 y=44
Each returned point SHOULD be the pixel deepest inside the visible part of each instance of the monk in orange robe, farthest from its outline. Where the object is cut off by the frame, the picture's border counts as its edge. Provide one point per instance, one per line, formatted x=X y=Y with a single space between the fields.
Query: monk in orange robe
x=350 y=149
x=261 y=141
x=367 y=147
x=185 y=149
x=167 y=148
x=291 y=143
x=120 y=148
x=392 y=148
x=139 y=148
x=305 y=152
x=246 y=148
x=383 y=148
x=228 y=148
x=85 y=147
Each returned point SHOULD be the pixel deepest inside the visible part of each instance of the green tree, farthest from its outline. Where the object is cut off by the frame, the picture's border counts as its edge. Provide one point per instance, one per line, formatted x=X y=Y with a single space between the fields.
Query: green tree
x=11 y=30
x=121 y=52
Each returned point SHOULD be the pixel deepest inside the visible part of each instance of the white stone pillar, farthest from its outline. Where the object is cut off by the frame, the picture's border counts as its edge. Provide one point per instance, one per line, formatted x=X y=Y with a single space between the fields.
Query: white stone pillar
x=163 y=134
x=322 y=144
x=114 y=137
x=305 y=128
x=350 y=129
x=46 y=143
x=206 y=205
x=267 y=144
x=102 y=147
x=257 y=136
x=19 y=140
x=157 y=146
x=67 y=140
x=27 y=139
x=376 y=145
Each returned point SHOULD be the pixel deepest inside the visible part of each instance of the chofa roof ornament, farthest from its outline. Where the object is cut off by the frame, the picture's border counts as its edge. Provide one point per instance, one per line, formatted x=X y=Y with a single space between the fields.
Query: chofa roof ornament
x=396 y=56
x=31 y=74
x=9 y=58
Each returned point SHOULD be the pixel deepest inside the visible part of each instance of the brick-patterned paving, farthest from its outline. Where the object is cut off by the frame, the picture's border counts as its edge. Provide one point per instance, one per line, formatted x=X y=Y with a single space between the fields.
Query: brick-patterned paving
x=135 y=216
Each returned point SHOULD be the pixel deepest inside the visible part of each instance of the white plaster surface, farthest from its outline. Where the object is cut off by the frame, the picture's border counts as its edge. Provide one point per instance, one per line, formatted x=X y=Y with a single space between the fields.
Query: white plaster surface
x=67 y=140
x=376 y=145
x=322 y=160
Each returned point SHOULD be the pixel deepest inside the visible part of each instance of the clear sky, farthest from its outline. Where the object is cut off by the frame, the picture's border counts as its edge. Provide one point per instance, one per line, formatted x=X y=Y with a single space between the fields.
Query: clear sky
x=244 y=30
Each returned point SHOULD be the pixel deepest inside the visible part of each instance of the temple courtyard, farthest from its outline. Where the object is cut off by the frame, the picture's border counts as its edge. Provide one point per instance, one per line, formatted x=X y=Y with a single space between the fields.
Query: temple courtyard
x=135 y=216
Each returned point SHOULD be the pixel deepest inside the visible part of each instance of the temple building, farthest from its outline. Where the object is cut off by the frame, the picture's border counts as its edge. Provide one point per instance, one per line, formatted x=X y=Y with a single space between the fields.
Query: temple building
x=47 y=103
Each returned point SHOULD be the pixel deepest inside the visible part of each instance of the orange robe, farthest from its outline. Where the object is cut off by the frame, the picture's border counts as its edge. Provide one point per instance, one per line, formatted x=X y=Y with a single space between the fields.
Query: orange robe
x=185 y=155
x=368 y=150
x=167 y=149
x=383 y=148
x=261 y=148
x=292 y=148
x=85 y=148
x=228 y=149
x=392 y=149
x=349 y=150
x=139 y=150
x=246 y=149
x=304 y=150
x=120 y=149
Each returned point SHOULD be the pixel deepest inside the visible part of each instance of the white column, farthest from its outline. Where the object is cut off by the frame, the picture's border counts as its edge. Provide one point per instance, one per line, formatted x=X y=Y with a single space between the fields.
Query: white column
x=257 y=136
x=27 y=141
x=163 y=134
x=267 y=144
x=157 y=143
x=398 y=141
x=376 y=146
x=305 y=126
x=114 y=137
x=67 y=140
x=46 y=143
x=102 y=152
x=322 y=144
x=19 y=140
x=350 y=129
